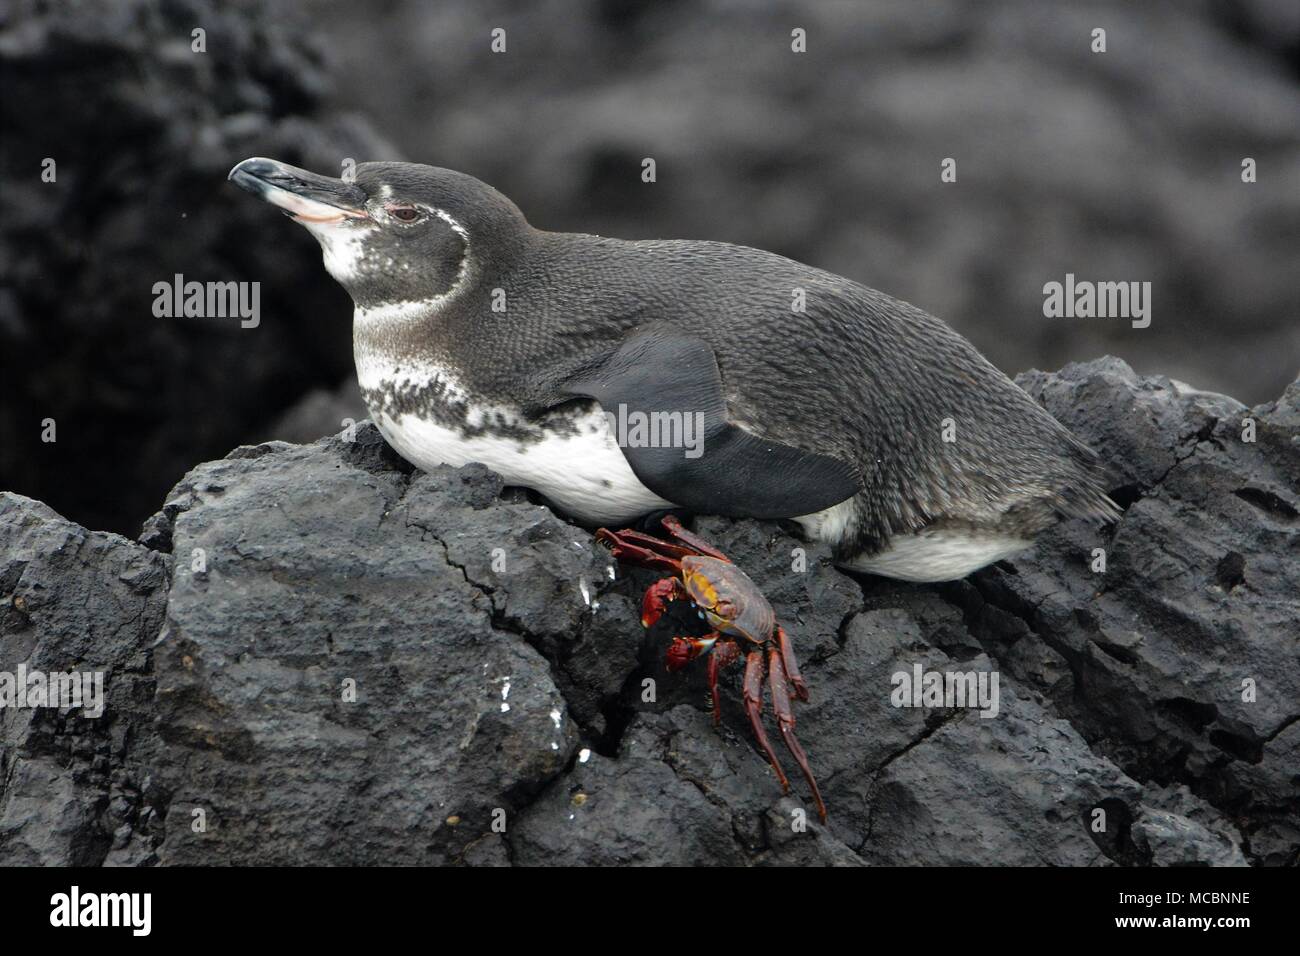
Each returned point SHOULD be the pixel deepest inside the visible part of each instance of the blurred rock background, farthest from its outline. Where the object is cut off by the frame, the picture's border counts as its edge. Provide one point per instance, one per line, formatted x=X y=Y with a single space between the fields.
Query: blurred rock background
x=1117 y=166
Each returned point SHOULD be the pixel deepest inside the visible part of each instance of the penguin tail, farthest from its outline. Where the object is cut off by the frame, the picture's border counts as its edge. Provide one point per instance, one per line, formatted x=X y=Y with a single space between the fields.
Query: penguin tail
x=1084 y=496
x=1089 y=502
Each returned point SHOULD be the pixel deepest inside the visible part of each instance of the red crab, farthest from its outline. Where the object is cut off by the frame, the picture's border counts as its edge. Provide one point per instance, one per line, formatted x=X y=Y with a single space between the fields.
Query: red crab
x=731 y=604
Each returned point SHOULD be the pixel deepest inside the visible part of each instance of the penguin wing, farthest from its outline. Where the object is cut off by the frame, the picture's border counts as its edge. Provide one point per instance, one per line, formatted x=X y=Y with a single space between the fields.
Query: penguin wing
x=663 y=392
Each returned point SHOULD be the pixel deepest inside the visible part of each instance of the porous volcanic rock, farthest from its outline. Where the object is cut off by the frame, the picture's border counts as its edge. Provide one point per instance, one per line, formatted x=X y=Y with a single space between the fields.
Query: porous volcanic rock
x=77 y=791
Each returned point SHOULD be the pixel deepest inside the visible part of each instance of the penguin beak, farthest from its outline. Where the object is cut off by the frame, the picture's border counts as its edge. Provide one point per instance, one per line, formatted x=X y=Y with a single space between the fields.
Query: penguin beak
x=306 y=197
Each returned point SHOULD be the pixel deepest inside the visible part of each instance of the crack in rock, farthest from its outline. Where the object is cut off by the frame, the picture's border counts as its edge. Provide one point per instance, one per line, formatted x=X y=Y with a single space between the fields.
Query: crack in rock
x=330 y=685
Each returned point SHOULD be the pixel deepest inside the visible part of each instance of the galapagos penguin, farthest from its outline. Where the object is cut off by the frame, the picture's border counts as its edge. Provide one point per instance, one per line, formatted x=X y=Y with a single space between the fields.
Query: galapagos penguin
x=618 y=378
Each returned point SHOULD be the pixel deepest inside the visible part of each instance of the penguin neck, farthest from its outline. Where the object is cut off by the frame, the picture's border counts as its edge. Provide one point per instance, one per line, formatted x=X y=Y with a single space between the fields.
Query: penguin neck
x=388 y=337
x=474 y=272
x=387 y=318
x=423 y=338
x=397 y=324
x=416 y=308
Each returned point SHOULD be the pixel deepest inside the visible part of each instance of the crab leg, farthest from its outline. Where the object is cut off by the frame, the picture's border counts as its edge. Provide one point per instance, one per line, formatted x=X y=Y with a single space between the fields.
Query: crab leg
x=697 y=544
x=724 y=652
x=637 y=555
x=790 y=664
x=651 y=543
x=753 y=695
x=785 y=719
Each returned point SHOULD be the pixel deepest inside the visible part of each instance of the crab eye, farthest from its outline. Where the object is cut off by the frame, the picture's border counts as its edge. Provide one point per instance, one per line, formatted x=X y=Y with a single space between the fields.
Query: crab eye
x=404 y=213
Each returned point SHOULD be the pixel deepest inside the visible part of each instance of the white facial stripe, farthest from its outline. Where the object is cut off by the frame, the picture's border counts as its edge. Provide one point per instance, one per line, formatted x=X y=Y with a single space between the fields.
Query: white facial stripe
x=462 y=272
x=412 y=309
x=456 y=227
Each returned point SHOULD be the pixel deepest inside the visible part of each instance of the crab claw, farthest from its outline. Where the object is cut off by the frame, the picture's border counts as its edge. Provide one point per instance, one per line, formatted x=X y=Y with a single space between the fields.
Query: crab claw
x=657 y=598
x=683 y=650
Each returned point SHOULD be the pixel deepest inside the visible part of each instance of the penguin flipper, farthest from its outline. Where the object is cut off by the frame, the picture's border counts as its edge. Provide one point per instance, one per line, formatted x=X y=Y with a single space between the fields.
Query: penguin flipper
x=660 y=382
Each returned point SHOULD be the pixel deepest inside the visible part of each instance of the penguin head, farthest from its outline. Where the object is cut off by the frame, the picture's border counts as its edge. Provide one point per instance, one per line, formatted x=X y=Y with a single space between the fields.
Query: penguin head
x=395 y=234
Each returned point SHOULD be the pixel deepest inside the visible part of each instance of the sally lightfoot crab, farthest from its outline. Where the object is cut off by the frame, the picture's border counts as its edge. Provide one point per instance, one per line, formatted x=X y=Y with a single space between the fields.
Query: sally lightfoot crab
x=743 y=624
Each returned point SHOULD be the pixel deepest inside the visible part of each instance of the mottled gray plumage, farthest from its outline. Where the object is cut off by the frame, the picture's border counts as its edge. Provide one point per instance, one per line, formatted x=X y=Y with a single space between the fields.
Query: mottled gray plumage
x=858 y=375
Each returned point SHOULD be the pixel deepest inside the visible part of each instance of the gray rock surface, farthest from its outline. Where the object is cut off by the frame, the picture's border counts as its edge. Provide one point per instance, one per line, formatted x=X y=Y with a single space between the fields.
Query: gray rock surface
x=76 y=790
x=509 y=708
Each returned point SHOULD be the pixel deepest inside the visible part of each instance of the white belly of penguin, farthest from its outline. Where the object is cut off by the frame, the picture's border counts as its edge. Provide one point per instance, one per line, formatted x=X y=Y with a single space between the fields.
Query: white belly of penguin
x=582 y=472
x=947 y=555
x=931 y=554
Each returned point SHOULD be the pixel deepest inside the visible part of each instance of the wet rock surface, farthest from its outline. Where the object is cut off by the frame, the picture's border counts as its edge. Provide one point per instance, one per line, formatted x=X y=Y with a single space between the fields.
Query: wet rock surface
x=315 y=655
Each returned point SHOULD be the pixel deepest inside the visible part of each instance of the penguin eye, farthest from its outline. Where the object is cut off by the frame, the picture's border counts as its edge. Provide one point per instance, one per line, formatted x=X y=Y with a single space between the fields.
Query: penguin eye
x=404 y=213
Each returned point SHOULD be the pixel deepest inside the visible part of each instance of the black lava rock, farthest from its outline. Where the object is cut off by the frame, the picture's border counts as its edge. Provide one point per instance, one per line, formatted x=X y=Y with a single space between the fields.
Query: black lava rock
x=319 y=656
x=142 y=129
